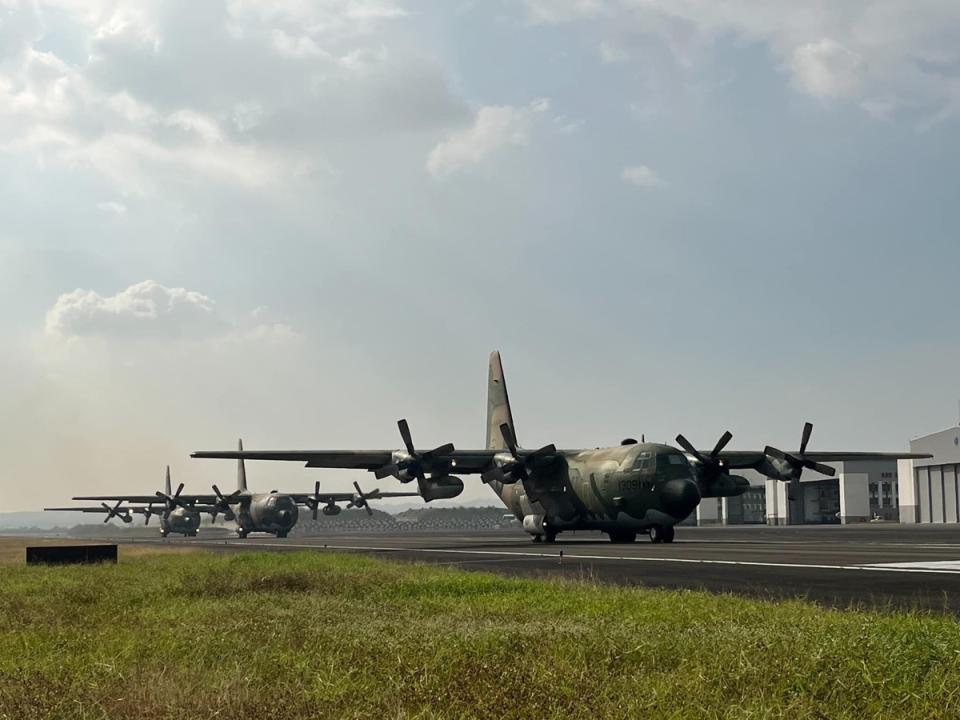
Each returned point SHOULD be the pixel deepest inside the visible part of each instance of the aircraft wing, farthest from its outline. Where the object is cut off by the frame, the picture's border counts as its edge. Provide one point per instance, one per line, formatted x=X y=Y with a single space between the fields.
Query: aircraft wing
x=459 y=461
x=92 y=509
x=740 y=459
x=327 y=498
x=145 y=499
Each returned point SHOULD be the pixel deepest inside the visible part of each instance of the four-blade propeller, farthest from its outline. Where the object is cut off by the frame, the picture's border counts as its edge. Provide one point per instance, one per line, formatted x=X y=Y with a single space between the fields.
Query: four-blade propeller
x=712 y=465
x=519 y=467
x=222 y=505
x=314 y=502
x=362 y=500
x=171 y=502
x=415 y=463
x=116 y=511
x=800 y=461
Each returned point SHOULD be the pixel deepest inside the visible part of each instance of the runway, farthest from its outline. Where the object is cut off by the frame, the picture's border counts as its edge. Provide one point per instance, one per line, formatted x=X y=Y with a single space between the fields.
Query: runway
x=873 y=565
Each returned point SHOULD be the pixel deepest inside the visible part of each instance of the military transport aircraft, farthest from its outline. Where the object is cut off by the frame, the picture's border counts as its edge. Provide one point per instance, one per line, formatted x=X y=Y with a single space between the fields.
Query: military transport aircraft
x=273 y=512
x=176 y=514
x=634 y=487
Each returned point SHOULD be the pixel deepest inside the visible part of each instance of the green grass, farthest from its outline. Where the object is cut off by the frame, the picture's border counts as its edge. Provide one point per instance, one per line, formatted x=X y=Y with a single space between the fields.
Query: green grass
x=313 y=635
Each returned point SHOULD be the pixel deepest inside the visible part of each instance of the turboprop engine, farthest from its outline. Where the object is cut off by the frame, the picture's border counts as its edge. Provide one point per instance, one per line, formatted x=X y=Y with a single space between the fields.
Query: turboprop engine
x=725 y=486
x=533 y=524
x=441 y=487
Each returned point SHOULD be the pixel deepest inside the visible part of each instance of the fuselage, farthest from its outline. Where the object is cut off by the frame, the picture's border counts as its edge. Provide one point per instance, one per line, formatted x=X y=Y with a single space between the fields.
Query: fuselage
x=180 y=520
x=631 y=486
x=268 y=512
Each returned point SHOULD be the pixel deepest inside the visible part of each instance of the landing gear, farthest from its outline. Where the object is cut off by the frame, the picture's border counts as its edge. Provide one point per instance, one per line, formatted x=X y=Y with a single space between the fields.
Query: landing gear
x=622 y=537
x=538 y=538
x=192 y=534
x=164 y=533
x=282 y=533
x=241 y=533
x=661 y=534
x=550 y=536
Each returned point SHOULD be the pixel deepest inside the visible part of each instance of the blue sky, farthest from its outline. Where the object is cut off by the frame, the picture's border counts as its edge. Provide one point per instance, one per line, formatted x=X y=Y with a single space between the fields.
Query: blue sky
x=299 y=221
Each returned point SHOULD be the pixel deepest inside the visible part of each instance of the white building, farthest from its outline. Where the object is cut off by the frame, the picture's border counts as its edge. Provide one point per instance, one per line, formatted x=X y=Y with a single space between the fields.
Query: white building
x=929 y=491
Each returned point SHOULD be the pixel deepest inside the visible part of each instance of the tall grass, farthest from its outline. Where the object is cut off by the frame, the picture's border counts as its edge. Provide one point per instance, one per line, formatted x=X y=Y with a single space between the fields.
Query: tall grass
x=313 y=635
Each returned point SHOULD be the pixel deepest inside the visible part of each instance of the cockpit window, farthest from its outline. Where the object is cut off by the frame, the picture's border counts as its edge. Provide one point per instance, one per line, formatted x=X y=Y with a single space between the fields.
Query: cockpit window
x=644 y=462
x=672 y=465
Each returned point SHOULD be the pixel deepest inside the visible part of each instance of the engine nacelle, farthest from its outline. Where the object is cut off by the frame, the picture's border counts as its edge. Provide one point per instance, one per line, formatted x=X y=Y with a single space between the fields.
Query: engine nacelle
x=533 y=524
x=725 y=486
x=331 y=510
x=441 y=488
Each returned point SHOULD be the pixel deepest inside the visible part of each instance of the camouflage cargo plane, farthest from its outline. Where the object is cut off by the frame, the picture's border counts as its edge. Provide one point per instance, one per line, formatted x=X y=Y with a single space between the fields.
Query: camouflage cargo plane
x=621 y=491
x=176 y=514
x=273 y=512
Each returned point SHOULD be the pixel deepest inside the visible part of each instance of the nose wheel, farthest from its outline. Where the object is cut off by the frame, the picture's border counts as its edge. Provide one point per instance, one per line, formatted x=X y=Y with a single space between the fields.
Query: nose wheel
x=661 y=534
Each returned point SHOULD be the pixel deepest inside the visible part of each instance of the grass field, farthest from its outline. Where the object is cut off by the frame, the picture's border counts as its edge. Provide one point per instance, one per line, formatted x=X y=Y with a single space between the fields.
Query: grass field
x=335 y=636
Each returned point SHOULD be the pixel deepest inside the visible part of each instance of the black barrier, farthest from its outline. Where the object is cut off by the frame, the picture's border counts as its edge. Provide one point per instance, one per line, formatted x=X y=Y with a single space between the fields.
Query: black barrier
x=71 y=554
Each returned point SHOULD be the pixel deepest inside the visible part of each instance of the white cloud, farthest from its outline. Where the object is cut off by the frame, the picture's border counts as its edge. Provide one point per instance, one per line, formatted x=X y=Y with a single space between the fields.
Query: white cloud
x=494 y=128
x=641 y=176
x=246 y=94
x=826 y=69
x=905 y=54
x=147 y=309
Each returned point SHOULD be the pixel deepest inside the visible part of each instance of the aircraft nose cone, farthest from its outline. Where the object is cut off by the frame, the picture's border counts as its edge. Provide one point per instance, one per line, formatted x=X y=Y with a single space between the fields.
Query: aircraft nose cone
x=283 y=516
x=679 y=497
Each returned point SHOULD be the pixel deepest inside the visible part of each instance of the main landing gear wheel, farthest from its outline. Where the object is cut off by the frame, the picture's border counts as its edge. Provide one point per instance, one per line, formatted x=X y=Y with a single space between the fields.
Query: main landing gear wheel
x=538 y=538
x=622 y=536
x=661 y=534
x=282 y=534
x=550 y=536
x=242 y=534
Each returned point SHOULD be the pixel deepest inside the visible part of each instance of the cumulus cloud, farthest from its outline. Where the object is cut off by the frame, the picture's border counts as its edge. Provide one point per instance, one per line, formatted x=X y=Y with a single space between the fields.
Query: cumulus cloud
x=494 y=128
x=247 y=93
x=641 y=176
x=147 y=309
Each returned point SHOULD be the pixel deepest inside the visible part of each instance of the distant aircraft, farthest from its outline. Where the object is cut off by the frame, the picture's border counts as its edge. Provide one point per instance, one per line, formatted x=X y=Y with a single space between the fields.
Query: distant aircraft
x=634 y=487
x=176 y=514
x=273 y=512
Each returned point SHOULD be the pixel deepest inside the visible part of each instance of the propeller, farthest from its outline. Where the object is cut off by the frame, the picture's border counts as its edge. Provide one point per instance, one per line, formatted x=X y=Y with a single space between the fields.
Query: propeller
x=800 y=461
x=115 y=511
x=797 y=463
x=363 y=500
x=171 y=501
x=222 y=504
x=148 y=513
x=314 y=502
x=712 y=465
x=518 y=468
x=413 y=465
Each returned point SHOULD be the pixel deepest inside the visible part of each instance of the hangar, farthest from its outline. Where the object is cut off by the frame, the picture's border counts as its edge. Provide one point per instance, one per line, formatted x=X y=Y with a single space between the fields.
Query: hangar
x=929 y=491
x=859 y=492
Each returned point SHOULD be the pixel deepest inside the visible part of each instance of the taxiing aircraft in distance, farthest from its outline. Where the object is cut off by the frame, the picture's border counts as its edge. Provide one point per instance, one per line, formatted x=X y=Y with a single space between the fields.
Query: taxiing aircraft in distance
x=176 y=514
x=273 y=512
x=622 y=490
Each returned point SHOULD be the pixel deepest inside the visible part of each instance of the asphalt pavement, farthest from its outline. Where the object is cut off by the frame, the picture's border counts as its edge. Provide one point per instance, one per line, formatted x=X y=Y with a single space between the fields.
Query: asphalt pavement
x=886 y=565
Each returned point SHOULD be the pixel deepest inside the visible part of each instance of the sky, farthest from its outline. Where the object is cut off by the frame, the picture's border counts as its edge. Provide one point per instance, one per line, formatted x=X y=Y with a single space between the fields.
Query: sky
x=296 y=222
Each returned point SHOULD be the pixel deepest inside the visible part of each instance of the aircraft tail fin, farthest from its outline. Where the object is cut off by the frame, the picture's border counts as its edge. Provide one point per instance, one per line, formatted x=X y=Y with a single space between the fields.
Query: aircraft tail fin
x=167 y=487
x=498 y=405
x=241 y=470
